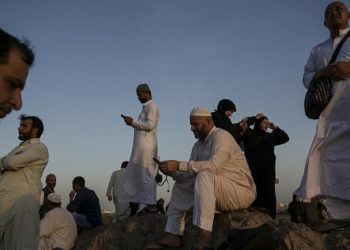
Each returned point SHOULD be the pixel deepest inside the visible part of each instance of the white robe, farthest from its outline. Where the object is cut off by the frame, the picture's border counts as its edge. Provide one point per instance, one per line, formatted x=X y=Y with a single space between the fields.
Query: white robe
x=20 y=188
x=115 y=186
x=57 y=229
x=139 y=185
x=217 y=177
x=327 y=169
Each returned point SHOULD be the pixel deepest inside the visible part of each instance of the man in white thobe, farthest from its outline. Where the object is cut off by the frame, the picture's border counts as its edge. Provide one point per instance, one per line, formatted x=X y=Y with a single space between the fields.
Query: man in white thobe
x=58 y=228
x=113 y=191
x=139 y=185
x=327 y=167
x=20 y=187
x=217 y=177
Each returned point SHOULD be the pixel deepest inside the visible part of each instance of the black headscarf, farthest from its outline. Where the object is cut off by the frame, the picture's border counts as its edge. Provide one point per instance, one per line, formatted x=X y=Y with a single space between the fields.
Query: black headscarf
x=226 y=105
x=258 y=121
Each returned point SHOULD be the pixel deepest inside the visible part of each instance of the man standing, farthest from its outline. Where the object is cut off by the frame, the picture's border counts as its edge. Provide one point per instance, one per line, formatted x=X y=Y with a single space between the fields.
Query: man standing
x=15 y=60
x=121 y=208
x=20 y=187
x=139 y=185
x=84 y=205
x=50 y=188
x=58 y=228
x=327 y=165
x=217 y=177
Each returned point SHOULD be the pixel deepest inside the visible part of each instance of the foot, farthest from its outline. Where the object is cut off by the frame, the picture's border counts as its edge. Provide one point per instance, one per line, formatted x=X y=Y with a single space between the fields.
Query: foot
x=204 y=241
x=169 y=240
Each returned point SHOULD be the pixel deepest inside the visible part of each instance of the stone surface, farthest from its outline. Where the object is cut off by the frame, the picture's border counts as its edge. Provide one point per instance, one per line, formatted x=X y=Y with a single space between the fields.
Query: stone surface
x=136 y=232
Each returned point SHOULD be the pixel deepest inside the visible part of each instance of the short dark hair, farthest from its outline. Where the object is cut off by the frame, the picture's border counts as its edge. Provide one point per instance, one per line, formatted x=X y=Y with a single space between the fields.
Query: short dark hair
x=226 y=105
x=9 y=43
x=47 y=176
x=124 y=164
x=36 y=123
x=79 y=180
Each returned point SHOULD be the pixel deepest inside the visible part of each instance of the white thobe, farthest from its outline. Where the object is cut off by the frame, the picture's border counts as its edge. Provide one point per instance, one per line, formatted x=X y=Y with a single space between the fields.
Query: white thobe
x=139 y=185
x=217 y=177
x=57 y=229
x=328 y=163
x=20 y=188
x=115 y=186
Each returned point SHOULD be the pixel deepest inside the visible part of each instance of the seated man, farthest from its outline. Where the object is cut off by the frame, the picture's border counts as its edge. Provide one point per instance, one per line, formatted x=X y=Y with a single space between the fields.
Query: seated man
x=217 y=177
x=84 y=205
x=57 y=228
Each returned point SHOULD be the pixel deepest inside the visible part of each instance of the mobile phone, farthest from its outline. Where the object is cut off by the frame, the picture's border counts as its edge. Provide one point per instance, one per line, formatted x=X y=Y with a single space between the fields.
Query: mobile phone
x=156 y=160
x=123 y=116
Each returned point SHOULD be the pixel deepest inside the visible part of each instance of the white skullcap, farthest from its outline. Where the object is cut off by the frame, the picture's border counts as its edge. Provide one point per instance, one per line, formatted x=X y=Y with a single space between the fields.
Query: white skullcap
x=200 y=111
x=54 y=198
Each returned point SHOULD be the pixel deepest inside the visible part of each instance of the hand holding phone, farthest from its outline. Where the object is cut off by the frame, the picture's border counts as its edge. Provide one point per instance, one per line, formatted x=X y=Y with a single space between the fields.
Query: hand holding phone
x=123 y=116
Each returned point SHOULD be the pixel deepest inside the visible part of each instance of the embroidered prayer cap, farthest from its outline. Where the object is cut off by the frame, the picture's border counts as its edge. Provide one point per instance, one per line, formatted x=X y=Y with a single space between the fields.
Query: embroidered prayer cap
x=143 y=88
x=200 y=111
x=226 y=105
x=55 y=198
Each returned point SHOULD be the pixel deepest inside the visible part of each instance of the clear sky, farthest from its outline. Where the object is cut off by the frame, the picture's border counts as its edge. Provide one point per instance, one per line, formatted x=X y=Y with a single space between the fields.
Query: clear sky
x=92 y=54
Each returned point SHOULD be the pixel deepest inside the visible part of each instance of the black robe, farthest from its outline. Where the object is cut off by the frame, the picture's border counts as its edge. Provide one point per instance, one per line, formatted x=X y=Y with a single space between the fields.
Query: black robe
x=259 y=147
x=222 y=121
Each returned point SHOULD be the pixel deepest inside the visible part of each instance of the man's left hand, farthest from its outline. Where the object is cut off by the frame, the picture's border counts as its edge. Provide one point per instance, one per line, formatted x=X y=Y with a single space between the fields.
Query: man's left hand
x=168 y=167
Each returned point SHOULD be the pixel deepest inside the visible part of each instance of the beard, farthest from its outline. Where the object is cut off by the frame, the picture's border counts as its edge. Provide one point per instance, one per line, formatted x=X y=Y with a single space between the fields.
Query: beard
x=201 y=133
x=24 y=137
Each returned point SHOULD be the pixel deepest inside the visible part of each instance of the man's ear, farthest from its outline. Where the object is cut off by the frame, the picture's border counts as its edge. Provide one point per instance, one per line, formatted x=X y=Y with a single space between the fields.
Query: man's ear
x=325 y=24
x=34 y=132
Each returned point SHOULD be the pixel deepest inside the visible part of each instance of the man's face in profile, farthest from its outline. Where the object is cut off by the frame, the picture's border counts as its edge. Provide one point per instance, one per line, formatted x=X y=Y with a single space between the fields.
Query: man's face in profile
x=199 y=127
x=13 y=75
x=25 y=130
x=142 y=96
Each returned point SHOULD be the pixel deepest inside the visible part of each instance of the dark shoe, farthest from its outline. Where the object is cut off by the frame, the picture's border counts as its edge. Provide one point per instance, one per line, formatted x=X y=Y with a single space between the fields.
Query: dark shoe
x=147 y=210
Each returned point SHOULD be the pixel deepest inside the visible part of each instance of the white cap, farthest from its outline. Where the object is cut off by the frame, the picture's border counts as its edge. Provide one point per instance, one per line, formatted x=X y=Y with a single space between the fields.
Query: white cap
x=55 y=198
x=200 y=111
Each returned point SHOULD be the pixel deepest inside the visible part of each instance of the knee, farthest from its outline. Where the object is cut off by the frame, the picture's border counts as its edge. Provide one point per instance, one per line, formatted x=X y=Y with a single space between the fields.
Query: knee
x=204 y=176
x=203 y=179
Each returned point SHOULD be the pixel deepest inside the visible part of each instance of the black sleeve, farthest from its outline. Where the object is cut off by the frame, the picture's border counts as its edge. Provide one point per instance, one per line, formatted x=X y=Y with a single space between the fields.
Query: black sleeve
x=281 y=137
x=251 y=120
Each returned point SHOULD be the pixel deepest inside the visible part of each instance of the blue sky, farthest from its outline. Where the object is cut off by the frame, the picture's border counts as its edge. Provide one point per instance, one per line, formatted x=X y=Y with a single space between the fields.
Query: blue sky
x=92 y=54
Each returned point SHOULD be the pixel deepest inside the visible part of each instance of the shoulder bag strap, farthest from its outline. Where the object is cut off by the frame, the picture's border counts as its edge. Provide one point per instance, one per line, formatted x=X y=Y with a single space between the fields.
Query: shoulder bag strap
x=336 y=52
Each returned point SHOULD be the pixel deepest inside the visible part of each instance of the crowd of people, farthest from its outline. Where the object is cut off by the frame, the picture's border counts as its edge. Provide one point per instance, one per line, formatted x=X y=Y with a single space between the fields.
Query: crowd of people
x=231 y=166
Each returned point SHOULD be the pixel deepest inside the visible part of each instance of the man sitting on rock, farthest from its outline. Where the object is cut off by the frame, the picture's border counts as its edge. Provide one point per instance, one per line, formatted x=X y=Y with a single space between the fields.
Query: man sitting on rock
x=57 y=228
x=84 y=205
x=217 y=177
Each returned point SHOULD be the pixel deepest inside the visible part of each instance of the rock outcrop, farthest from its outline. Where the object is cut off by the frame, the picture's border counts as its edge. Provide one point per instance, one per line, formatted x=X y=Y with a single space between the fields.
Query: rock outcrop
x=243 y=227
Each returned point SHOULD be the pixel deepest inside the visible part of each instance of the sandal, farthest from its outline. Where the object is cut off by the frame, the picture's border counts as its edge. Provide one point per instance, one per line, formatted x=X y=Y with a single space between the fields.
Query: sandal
x=147 y=210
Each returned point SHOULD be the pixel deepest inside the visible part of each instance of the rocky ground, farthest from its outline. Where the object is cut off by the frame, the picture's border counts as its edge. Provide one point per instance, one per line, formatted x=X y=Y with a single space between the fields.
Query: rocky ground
x=247 y=230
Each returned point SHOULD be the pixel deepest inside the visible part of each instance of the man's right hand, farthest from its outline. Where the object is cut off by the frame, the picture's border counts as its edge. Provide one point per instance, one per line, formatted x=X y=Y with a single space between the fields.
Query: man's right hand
x=128 y=120
x=71 y=195
x=340 y=70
